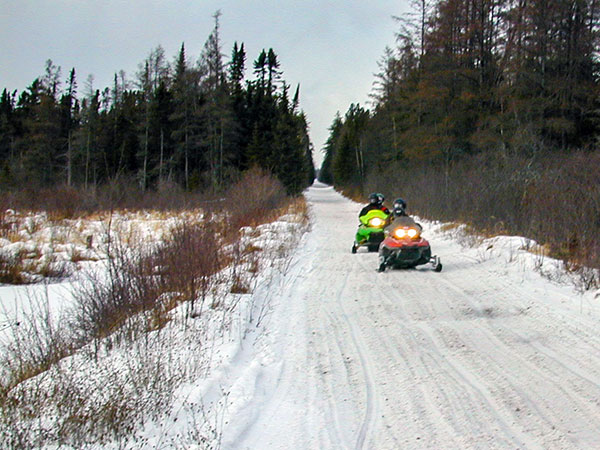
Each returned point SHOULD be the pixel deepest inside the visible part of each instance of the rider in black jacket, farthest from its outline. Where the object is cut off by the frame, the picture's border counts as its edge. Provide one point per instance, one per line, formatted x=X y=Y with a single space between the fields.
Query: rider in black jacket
x=375 y=202
x=400 y=218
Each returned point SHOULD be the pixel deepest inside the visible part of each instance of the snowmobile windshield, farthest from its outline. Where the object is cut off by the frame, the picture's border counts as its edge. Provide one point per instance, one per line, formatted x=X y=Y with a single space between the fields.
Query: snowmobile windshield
x=373 y=214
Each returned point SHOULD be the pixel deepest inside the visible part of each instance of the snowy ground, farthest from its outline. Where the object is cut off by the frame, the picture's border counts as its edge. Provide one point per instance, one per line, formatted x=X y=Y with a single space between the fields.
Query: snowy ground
x=326 y=353
x=40 y=242
x=486 y=354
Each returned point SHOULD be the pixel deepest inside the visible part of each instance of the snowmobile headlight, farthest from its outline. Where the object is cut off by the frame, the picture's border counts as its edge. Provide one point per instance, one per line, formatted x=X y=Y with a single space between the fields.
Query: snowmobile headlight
x=376 y=222
x=400 y=233
x=412 y=233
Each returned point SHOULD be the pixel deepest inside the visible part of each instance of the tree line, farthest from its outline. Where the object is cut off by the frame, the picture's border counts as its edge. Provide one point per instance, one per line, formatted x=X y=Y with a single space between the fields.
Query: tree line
x=501 y=77
x=197 y=125
x=485 y=113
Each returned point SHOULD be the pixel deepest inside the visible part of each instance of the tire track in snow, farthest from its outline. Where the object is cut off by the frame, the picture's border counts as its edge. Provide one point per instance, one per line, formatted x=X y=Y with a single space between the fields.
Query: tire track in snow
x=478 y=375
x=540 y=366
x=436 y=356
x=362 y=351
x=283 y=376
x=401 y=369
x=323 y=321
x=434 y=363
x=526 y=392
x=419 y=365
x=527 y=386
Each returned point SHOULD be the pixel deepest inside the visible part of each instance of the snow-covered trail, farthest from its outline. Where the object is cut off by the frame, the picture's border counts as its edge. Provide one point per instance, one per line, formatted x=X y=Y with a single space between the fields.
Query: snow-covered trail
x=485 y=354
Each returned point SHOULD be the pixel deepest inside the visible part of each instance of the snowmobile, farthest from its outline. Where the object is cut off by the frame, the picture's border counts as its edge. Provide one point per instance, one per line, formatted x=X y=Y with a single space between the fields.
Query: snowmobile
x=404 y=247
x=370 y=230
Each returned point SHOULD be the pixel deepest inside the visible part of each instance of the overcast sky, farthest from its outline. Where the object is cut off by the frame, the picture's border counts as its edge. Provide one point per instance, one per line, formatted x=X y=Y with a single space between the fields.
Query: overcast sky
x=330 y=48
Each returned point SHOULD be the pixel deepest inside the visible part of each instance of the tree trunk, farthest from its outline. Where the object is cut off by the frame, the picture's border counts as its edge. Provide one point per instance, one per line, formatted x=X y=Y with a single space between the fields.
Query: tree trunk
x=69 y=159
x=162 y=148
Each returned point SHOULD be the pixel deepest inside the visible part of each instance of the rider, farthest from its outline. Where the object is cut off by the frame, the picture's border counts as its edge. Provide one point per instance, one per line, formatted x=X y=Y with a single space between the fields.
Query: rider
x=400 y=218
x=375 y=202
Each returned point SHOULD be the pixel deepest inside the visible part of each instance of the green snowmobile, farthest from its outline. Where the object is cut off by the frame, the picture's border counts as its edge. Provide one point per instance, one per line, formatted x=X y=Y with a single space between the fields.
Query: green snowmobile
x=370 y=230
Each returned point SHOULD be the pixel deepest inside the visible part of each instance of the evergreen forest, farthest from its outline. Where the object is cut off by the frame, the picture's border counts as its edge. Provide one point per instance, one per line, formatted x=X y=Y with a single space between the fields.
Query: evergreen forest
x=485 y=112
x=192 y=125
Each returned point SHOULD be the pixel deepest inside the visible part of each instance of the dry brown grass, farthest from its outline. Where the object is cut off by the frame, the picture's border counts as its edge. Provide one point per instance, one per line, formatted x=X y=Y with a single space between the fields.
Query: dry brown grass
x=146 y=281
x=450 y=226
x=553 y=199
x=12 y=270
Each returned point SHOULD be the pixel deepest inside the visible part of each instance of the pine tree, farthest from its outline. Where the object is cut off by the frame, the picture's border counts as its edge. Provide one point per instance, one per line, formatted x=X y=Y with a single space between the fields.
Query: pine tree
x=260 y=69
x=237 y=67
x=217 y=112
x=198 y=125
x=240 y=132
x=162 y=110
x=186 y=104
x=335 y=129
x=152 y=75
x=87 y=138
x=69 y=106
x=39 y=148
x=7 y=131
x=348 y=163
x=273 y=72
x=287 y=158
x=145 y=79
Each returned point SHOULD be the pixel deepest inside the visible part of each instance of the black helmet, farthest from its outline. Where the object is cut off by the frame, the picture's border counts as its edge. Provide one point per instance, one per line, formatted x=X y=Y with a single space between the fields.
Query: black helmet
x=376 y=199
x=399 y=207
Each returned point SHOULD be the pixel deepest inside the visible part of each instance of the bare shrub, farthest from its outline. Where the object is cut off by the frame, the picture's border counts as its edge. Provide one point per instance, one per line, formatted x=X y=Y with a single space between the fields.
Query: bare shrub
x=187 y=264
x=299 y=207
x=105 y=302
x=100 y=405
x=140 y=277
x=60 y=202
x=67 y=202
x=254 y=199
x=33 y=343
x=244 y=266
x=554 y=199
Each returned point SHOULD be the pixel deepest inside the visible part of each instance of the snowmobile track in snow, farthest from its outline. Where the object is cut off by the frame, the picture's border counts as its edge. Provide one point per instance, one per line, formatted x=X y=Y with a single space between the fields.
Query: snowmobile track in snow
x=362 y=351
x=485 y=354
